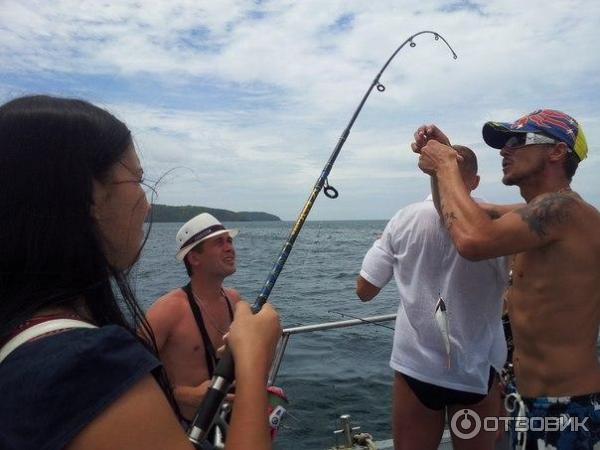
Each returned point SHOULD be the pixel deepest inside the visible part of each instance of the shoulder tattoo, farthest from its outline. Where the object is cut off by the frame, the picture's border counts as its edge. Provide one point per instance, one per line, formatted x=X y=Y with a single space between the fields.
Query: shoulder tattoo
x=547 y=211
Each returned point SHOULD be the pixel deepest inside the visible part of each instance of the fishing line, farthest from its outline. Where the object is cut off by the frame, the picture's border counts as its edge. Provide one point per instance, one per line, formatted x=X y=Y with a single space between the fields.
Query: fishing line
x=310 y=249
x=361 y=319
x=225 y=372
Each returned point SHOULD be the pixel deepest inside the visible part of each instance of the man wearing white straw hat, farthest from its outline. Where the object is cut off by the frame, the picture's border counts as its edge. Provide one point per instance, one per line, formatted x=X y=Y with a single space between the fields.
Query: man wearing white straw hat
x=189 y=322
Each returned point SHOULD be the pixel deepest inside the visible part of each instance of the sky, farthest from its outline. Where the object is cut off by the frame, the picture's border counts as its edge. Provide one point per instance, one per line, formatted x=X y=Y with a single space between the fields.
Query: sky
x=238 y=104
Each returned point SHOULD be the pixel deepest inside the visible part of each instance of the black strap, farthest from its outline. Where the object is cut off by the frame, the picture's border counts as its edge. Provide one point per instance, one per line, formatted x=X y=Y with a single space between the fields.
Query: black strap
x=229 y=308
x=209 y=350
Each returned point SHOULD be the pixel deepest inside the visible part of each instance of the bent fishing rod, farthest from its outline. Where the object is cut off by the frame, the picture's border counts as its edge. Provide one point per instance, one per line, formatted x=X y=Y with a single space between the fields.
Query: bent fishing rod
x=224 y=372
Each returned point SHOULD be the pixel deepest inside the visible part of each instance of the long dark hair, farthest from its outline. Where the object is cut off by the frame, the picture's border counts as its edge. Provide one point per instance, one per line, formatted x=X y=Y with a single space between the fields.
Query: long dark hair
x=51 y=254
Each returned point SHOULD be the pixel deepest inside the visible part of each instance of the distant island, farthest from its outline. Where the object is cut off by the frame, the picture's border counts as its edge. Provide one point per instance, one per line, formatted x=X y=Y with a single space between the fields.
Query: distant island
x=166 y=213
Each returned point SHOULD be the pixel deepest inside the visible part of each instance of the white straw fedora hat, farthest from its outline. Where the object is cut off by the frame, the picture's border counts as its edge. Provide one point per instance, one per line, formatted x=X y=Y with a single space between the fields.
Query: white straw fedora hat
x=199 y=229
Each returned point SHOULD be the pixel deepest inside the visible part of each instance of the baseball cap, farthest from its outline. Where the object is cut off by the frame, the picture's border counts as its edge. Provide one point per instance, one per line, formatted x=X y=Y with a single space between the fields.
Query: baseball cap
x=548 y=122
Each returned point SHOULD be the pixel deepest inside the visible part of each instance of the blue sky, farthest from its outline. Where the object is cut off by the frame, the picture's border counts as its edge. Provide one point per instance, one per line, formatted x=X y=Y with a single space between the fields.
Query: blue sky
x=246 y=99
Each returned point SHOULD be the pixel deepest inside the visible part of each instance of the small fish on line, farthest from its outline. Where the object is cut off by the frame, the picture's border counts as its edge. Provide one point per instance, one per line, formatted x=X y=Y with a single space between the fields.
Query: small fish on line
x=441 y=317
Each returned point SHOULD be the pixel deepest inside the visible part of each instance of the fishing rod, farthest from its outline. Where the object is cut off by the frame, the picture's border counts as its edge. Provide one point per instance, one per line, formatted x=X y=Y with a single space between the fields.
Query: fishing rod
x=224 y=372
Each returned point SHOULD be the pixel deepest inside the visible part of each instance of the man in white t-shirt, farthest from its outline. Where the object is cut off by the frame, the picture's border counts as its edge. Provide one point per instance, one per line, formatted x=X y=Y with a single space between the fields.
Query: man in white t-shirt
x=446 y=352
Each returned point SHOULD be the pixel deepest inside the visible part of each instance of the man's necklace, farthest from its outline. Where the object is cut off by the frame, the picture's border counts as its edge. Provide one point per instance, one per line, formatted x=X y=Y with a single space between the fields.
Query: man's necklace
x=211 y=319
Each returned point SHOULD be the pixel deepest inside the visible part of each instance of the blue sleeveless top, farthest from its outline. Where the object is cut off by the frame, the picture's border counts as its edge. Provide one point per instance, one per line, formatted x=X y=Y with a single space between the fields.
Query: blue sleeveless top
x=52 y=387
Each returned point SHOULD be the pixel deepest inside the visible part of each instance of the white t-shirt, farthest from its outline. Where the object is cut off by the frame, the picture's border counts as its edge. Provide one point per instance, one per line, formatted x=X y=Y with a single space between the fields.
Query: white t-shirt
x=417 y=250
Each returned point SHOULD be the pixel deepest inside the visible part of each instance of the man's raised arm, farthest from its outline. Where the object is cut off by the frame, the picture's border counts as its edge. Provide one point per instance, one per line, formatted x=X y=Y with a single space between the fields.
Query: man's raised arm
x=474 y=233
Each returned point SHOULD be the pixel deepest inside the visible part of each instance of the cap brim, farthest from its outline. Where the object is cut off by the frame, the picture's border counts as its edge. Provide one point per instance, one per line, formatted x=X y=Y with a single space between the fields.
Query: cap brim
x=185 y=250
x=495 y=134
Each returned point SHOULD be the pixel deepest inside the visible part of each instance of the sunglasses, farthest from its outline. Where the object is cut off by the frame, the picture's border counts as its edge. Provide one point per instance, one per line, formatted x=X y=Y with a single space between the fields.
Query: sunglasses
x=522 y=139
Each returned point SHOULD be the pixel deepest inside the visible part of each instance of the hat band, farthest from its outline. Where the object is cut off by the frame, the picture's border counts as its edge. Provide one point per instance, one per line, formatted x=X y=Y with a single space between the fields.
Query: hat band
x=202 y=234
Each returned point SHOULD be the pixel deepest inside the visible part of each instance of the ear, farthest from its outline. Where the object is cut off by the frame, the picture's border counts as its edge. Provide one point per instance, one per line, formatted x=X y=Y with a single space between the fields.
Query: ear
x=470 y=180
x=558 y=152
x=193 y=258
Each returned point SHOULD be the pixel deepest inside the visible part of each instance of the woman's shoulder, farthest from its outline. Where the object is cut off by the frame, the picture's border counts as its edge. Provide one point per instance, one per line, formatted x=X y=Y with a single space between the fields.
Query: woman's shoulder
x=77 y=352
x=60 y=382
x=77 y=342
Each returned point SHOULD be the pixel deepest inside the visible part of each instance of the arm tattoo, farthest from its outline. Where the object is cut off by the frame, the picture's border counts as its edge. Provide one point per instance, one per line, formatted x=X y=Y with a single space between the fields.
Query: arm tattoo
x=547 y=211
x=449 y=218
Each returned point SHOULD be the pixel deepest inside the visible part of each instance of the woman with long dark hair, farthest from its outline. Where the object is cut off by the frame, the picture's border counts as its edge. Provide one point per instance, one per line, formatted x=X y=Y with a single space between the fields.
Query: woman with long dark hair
x=71 y=225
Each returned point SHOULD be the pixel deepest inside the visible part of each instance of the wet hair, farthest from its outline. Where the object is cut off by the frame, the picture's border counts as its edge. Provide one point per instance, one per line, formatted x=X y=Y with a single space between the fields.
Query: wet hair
x=469 y=162
x=188 y=267
x=51 y=151
x=570 y=164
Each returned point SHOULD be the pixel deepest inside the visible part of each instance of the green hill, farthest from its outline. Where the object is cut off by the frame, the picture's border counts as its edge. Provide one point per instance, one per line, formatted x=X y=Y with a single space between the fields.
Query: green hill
x=166 y=213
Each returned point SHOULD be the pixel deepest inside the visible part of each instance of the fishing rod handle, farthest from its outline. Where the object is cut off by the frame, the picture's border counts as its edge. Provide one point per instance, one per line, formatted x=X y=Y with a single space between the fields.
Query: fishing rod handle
x=223 y=378
x=209 y=407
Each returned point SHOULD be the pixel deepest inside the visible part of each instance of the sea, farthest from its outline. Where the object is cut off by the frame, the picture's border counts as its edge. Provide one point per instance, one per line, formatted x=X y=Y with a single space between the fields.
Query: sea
x=324 y=374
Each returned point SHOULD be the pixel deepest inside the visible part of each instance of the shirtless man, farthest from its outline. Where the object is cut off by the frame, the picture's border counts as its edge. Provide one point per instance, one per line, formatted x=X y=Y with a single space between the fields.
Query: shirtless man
x=554 y=294
x=189 y=322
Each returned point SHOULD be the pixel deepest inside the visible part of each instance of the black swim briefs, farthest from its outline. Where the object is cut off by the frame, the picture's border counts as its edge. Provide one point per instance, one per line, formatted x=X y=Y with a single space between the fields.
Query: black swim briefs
x=437 y=397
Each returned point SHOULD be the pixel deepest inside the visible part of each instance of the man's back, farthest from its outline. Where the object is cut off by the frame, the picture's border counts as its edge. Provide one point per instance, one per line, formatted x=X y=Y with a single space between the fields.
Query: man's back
x=554 y=305
x=440 y=366
x=426 y=265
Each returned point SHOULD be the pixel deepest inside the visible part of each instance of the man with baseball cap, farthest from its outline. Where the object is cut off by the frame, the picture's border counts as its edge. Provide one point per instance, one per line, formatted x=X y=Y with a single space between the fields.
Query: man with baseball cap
x=189 y=322
x=553 y=295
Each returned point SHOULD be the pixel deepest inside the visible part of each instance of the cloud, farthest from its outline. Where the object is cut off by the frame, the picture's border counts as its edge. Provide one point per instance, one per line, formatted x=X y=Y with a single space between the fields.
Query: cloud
x=249 y=98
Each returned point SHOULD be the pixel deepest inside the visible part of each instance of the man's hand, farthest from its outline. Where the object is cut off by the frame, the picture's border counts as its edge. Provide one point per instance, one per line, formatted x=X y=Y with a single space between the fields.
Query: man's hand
x=435 y=155
x=201 y=389
x=189 y=398
x=424 y=134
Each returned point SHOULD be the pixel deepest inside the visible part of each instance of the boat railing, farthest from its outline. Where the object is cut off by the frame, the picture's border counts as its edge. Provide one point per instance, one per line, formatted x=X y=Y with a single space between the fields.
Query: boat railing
x=287 y=332
x=347 y=432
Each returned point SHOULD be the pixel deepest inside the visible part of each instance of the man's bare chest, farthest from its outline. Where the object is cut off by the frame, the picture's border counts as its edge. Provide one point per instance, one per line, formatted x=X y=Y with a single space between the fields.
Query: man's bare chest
x=188 y=339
